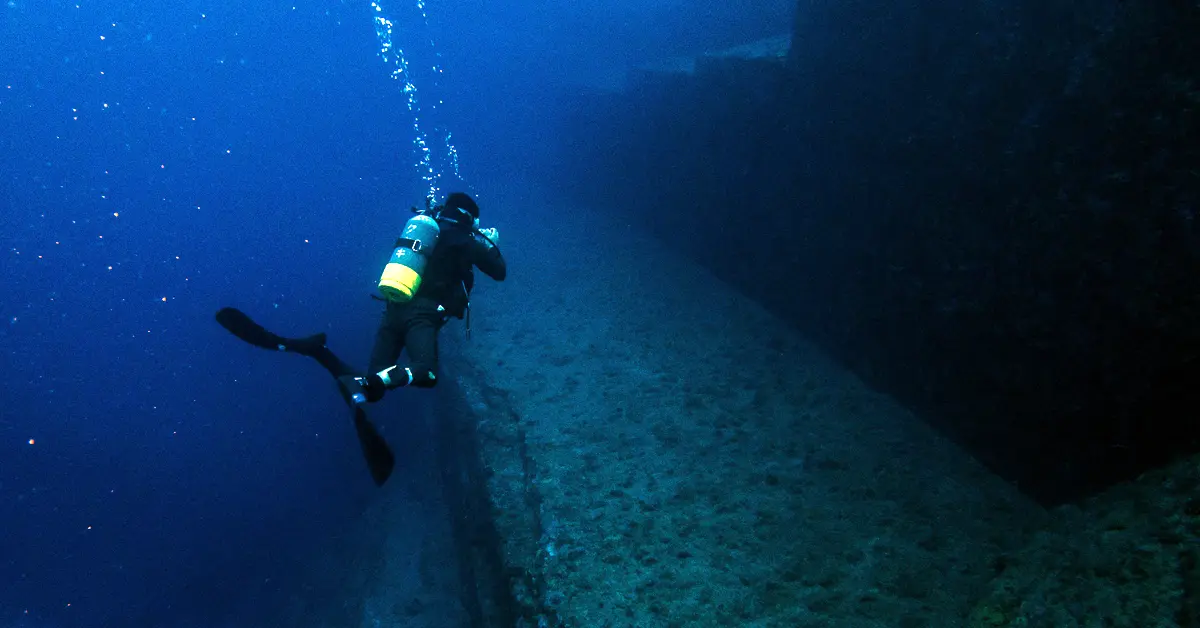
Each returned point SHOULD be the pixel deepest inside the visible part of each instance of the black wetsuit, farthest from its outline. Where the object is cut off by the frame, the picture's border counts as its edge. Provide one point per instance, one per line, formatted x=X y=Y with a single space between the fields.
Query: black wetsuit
x=411 y=326
x=446 y=282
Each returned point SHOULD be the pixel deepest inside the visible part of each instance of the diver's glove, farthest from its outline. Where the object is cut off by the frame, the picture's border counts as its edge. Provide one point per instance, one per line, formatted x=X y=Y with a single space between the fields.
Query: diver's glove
x=492 y=235
x=357 y=390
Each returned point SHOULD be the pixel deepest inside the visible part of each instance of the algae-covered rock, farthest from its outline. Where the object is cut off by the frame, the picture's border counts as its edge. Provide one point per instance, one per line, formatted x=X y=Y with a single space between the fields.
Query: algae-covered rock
x=1124 y=558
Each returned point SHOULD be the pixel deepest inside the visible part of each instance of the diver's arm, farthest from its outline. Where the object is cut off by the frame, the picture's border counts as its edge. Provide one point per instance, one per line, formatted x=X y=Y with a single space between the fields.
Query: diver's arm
x=486 y=256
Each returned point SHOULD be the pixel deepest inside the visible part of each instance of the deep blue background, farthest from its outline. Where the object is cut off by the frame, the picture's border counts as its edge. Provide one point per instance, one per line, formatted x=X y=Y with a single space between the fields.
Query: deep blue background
x=160 y=160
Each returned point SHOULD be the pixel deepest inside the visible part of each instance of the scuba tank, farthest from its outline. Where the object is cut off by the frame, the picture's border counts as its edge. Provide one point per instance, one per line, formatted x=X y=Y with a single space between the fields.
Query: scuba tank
x=402 y=275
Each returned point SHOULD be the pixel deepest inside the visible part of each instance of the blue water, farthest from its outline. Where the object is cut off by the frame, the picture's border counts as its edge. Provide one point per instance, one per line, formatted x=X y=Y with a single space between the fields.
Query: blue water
x=161 y=160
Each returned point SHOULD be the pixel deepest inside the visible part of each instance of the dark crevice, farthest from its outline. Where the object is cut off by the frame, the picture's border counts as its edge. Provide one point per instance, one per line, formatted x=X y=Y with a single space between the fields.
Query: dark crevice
x=487 y=595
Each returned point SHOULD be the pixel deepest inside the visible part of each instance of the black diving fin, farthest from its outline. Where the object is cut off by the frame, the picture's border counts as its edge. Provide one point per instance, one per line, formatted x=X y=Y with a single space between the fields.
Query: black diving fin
x=380 y=460
x=239 y=324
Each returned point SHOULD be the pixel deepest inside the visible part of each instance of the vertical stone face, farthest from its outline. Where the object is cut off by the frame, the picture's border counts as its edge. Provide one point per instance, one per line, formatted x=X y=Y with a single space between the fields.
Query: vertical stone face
x=656 y=451
x=989 y=210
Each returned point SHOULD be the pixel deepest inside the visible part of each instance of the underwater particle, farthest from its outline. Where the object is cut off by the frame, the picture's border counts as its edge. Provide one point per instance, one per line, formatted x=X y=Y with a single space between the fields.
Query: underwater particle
x=31 y=441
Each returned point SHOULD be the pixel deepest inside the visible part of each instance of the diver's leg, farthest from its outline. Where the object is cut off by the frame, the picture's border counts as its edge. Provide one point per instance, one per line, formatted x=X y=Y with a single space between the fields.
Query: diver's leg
x=389 y=342
x=420 y=328
x=422 y=342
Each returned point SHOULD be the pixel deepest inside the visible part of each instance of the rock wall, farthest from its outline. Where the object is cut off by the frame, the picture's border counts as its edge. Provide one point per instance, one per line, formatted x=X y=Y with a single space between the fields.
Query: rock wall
x=659 y=452
x=1124 y=557
x=990 y=210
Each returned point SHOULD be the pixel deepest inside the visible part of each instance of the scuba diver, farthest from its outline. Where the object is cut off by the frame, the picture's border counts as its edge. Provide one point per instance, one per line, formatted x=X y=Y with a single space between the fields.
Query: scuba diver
x=427 y=281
